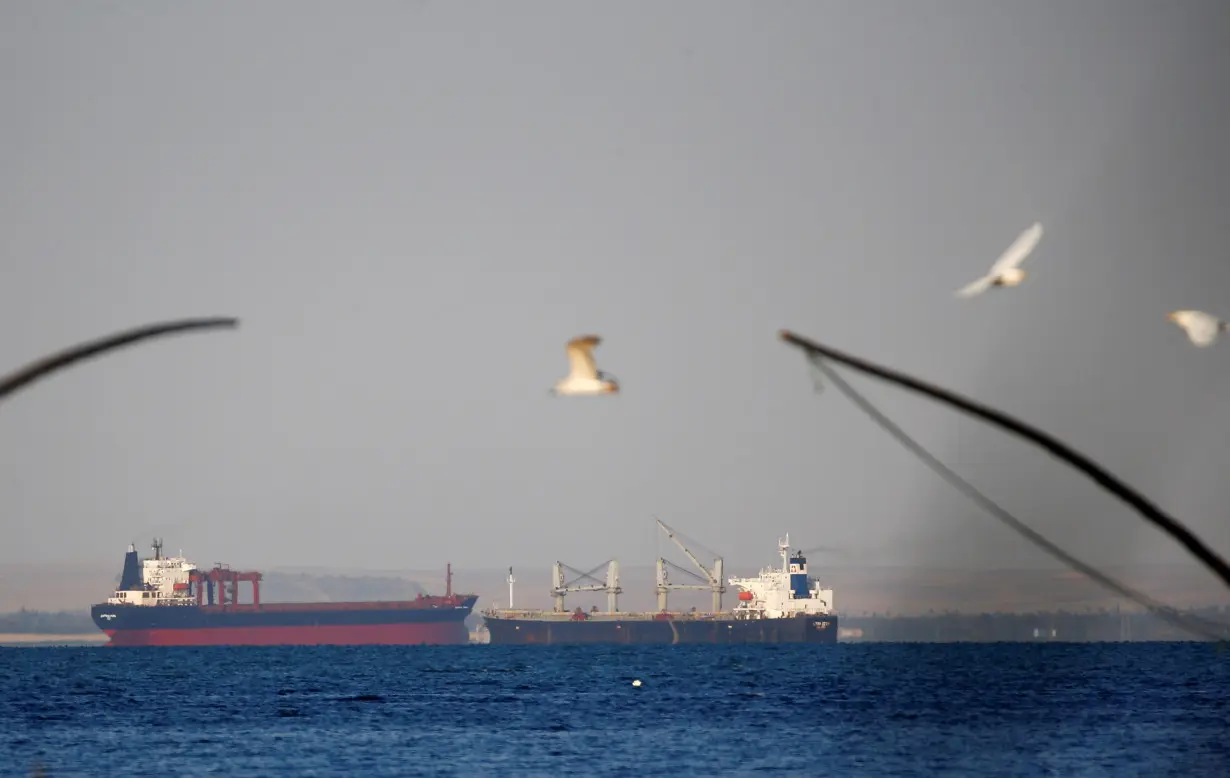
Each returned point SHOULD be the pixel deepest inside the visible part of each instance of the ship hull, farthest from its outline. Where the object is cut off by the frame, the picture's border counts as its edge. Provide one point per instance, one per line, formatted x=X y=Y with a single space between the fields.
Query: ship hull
x=412 y=623
x=530 y=631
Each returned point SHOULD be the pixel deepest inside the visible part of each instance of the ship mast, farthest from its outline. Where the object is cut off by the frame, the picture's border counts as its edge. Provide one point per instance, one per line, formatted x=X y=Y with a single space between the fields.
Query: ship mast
x=712 y=576
x=561 y=586
x=511 y=581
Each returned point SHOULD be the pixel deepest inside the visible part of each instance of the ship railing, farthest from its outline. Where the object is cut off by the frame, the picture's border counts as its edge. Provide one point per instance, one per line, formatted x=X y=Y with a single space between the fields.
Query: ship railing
x=423 y=604
x=526 y=613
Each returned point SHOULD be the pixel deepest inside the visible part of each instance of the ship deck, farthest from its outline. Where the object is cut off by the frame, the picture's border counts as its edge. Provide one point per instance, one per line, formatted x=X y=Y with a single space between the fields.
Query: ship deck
x=424 y=603
x=371 y=605
x=552 y=616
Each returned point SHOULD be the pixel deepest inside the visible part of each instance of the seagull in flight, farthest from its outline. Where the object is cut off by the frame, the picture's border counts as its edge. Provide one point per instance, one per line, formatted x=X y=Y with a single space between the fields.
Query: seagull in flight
x=1201 y=328
x=585 y=377
x=1005 y=271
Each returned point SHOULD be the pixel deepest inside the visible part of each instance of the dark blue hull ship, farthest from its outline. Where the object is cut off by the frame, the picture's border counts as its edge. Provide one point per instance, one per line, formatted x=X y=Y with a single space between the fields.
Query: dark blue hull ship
x=781 y=605
x=168 y=602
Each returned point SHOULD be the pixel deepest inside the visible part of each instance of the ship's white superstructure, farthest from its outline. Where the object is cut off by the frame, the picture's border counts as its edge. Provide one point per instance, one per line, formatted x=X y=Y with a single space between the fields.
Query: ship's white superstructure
x=164 y=581
x=782 y=593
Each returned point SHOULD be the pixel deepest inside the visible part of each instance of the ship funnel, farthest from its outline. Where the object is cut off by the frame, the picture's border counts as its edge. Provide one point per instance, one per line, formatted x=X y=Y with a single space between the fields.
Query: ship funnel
x=130 y=579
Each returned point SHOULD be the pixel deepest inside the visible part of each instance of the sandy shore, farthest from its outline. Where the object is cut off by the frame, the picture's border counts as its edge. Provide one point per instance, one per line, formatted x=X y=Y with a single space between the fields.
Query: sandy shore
x=28 y=639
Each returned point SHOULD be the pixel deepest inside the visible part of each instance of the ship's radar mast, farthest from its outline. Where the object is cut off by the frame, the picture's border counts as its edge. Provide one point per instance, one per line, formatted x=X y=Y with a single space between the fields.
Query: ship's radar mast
x=157 y=544
x=511 y=581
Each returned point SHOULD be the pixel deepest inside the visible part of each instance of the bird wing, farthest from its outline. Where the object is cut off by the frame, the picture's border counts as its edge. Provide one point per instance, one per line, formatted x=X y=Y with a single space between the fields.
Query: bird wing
x=1021 y=248
x=816 y=369
x=581 y=356
x=1202 y=328
x=113 y=342
x=975 y=287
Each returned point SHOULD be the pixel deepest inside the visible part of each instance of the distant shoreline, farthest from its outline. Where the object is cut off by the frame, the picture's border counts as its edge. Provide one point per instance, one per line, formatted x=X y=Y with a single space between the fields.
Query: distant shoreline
x=22 y=639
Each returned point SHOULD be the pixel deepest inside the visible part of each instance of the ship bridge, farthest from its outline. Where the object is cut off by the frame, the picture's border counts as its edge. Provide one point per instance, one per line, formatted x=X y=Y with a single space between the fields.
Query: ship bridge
x=162 y=580
x=782 y=592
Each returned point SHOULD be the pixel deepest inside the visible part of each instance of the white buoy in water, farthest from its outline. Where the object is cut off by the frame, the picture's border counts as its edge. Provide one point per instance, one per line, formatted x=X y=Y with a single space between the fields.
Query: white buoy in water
x=636 y=682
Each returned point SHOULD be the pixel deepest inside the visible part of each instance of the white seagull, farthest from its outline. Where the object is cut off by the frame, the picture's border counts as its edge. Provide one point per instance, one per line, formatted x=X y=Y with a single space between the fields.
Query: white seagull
x=1201 y=328
x=1005 y=271
x=585 y=377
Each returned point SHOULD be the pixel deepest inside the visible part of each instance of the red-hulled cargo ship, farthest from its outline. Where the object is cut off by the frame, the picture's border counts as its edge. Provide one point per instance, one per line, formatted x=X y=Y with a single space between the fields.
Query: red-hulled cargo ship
x=167 y=601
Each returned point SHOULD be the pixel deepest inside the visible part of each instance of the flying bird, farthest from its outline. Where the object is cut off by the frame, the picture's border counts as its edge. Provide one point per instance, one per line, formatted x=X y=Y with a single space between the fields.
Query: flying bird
x=1201 y=328
x=585 y=377
x=1006 y=270
x=61 y=359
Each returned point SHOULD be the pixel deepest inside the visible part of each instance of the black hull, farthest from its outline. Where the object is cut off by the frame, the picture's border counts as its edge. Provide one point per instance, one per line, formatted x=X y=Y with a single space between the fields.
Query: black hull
x=552 y=632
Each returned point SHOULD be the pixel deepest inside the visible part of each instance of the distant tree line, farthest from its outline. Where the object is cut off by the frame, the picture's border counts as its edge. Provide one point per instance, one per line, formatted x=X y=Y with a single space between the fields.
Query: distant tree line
x=44 y=623
x=1103 y=625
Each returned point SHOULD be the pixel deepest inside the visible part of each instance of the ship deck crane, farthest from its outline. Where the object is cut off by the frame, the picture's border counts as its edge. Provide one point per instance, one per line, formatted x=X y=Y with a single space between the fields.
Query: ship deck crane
x=712 y=577
x=560 y=587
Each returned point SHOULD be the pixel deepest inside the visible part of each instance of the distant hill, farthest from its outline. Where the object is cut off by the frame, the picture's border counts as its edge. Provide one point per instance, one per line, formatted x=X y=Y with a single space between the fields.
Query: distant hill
x=895 y=590
x=858 y=589
x=73 y=589
x=306 y=587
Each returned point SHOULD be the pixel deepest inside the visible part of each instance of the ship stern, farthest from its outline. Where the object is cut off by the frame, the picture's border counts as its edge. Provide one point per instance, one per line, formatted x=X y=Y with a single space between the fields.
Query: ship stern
x=821 y=629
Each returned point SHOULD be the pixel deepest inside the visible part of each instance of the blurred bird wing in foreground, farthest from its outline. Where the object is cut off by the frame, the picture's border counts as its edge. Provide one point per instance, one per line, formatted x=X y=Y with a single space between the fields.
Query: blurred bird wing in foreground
x=1153 y=514
x=41 y=368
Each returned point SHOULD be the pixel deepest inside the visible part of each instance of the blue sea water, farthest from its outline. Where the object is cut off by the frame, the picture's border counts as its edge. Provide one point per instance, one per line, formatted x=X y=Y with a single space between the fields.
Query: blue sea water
x=843 y=710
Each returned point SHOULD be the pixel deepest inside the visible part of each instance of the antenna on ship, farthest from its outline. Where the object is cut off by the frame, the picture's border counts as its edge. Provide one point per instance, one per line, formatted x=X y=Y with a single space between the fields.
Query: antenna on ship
x=511 y=581
x=448 y=581
x=157 y=548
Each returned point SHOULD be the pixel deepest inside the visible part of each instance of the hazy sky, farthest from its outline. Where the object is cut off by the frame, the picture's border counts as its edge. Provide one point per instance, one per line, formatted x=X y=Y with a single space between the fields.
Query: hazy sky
x=413 y=206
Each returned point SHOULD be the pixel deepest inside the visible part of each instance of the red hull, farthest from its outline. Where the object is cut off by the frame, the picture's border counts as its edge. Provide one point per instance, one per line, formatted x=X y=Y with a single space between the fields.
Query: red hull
x=436 y=634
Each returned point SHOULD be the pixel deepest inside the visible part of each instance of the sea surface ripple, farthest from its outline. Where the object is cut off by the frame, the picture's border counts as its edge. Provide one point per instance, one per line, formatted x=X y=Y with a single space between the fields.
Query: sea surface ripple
x=1125 y=709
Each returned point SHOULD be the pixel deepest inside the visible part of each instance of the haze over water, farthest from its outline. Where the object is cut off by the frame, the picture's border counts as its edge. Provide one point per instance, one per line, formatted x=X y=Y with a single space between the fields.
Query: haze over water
x=414 y=206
